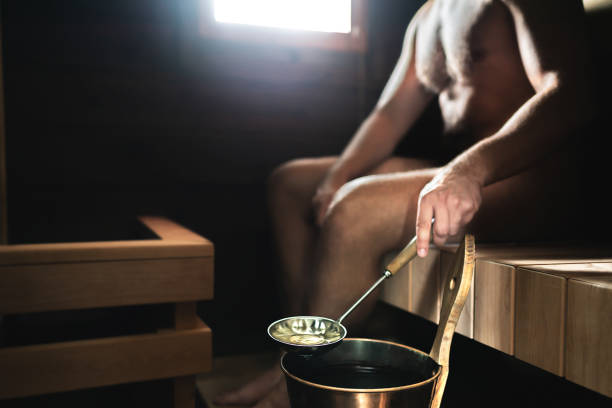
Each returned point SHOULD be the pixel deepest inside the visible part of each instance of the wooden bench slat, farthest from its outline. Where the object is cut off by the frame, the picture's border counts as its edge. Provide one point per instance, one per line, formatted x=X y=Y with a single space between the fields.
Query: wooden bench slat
x=47 y=368
x=540 y=319
x=548 y=305
x=495 y=280
x=32 y=288
x=588 y=350
x=415 y=288
x=494 y=305
x=541 y=311
x=544 y=254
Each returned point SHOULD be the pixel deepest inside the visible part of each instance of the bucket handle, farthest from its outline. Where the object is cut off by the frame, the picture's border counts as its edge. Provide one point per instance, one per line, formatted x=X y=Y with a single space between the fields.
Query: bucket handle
x=456 y=289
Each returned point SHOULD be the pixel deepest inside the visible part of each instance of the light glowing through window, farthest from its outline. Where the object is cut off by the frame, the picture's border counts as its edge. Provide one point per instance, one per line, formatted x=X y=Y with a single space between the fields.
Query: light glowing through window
x=312 y=15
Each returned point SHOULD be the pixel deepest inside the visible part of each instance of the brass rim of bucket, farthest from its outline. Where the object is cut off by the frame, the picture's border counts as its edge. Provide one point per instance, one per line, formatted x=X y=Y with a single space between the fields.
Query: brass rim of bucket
x=402 y=387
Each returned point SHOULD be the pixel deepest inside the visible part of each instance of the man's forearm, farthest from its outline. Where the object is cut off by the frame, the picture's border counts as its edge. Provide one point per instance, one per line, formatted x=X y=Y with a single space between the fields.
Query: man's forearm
x=373 y=142
x=561 y=102
x=543 y=124
x=402 y=101
x=380 y=133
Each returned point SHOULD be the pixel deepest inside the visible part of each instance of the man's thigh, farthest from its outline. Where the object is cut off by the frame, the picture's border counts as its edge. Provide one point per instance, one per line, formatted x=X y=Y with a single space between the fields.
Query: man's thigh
x=397 y=164
x=304 y=175
x=382 y=206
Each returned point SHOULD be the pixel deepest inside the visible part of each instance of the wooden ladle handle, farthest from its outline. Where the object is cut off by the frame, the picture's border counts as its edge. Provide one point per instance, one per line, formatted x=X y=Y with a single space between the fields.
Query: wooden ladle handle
x=456 y=289
x=406 y=255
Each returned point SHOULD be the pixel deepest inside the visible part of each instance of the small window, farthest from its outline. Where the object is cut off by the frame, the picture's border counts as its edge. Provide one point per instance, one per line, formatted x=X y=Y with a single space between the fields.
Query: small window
x=332 y=16
x=332 y=24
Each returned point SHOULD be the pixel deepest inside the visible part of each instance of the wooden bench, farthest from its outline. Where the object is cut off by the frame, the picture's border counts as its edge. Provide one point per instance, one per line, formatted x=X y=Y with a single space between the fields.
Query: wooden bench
x=549 y=306
x=177 y=268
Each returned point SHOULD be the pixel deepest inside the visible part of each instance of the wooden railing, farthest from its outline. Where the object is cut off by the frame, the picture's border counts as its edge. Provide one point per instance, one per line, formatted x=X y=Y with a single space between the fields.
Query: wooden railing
x=177 y=269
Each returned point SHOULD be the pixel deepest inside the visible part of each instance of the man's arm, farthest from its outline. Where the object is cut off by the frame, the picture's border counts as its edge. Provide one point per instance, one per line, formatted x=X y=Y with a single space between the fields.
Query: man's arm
x=402 y=101
x=550 y=36
x=551 y=41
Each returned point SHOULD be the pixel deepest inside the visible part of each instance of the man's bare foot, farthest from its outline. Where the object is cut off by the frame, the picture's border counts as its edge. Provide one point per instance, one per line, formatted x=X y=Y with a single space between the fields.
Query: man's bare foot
x=254 y=391
x=276 y=398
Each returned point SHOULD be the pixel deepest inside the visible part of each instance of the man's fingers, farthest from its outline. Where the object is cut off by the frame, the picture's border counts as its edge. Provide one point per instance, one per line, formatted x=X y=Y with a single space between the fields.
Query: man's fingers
x=320 y=203
x=322 y=211
x=441 y=226
x=453 y=201
x=425 y=213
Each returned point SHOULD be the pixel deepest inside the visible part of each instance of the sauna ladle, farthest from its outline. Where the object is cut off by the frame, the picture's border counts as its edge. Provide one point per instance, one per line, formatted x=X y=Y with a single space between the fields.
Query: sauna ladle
x=309 y=334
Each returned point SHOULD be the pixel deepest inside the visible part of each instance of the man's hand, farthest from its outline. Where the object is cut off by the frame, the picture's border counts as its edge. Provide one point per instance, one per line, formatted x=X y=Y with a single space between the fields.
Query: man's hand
x=452 y=199
x=324 y=196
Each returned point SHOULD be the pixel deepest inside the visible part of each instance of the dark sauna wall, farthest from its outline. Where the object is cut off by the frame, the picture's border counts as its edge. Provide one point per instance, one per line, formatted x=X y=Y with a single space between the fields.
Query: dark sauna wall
x=117 y=108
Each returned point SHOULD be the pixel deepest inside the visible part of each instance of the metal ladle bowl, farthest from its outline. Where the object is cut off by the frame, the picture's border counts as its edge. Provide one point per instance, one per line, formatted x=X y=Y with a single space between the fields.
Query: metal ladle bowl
x=307 y=334
x=312 y=334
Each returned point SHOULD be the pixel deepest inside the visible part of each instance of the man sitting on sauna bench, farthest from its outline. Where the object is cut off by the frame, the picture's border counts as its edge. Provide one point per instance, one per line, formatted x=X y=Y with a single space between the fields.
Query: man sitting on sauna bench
x=510 y=80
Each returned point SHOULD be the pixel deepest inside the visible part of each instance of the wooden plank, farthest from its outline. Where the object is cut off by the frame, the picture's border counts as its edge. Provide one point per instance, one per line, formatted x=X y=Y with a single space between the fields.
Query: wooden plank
x=185 y=315
x=425 y=286
x=493 y=291
x=541 y=311
x=231 y=79
x=494 y=305
x=31 y=288
x=171 y=231
x=540 y=319
x=30 y=254
x=575 y=270
x=66 y=366
x=185 y=318
x=185 y=391
x=494 y=284
x=588 y=351
x=519 y=255
x=396 y=290
x=415 y=288
x=465 y=325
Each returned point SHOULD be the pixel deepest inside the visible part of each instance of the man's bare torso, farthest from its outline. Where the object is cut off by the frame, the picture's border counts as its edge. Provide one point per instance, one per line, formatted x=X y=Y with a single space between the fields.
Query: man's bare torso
x=467 y=53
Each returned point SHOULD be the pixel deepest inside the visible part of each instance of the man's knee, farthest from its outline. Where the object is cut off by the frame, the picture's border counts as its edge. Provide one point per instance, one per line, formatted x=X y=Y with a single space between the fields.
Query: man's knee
x=284 y=176
x=345 y=220
x=298 y=178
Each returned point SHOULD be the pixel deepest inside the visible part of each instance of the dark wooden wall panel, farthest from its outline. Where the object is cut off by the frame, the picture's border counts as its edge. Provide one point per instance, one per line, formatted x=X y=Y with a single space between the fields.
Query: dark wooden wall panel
x=115 y=108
